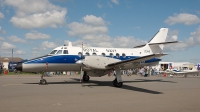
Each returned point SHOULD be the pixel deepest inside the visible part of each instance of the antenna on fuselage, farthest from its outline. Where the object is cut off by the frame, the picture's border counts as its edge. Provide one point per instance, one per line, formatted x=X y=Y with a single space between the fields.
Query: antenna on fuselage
x=70 y=44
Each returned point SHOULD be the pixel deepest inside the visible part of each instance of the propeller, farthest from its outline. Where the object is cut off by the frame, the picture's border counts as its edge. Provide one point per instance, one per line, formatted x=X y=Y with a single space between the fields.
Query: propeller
x=81 y=69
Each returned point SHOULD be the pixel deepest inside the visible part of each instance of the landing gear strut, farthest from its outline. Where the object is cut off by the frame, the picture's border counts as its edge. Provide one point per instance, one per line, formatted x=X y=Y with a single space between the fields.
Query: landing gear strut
x=43 y=81
x=117 y=82
x=86 y=78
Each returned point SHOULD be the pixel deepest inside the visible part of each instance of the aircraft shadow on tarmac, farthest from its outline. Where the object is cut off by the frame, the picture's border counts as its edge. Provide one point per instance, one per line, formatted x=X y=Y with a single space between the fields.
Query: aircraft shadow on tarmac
x=93 y=83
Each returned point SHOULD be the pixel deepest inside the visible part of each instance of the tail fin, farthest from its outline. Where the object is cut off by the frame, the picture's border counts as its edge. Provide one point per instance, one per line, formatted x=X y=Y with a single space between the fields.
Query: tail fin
x=156 y=44
x=160 y=36
x=194 y=68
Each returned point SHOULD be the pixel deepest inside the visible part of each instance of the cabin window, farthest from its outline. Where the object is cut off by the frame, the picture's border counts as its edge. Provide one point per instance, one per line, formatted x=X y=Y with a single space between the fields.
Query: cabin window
x=65 y=52
x=87 y=54
x=111 y=55
x=117 y=55
x=59 y=52
x=123 y=55
x=103 y=54
x=53 y=52
x=94 y=53
x=79 y=54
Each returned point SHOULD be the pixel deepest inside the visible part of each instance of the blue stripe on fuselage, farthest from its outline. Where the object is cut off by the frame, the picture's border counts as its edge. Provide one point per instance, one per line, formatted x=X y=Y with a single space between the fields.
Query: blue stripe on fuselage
x=71 y=59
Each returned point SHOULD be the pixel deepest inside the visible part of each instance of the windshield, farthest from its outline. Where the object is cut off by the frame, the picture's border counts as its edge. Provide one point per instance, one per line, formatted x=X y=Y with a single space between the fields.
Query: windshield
x=59 y=52
x=53 y=52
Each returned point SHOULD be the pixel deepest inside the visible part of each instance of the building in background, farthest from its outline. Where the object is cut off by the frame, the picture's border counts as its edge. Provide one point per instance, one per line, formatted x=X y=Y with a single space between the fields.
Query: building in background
x=174 y=65
x=9 y=63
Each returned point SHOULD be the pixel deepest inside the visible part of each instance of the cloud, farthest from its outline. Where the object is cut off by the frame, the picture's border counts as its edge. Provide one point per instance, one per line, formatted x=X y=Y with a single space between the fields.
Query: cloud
x=193 y=40
x=35 y=53
x=47 y=44
x=2 y=31
x=115 y=1
x=16 y=39
x=93 y=20
x=100 y=5
x=36 y=14
x=183 y=18
x=127 y=42
x=20 y=52
x=47 y=19
x=97 y=38
x=91 y=25
x=1 y=15
x=93 y=32
x=1 y=39
x=34 y=35
x=6 y=46
x=107 y=41
x=196 y=36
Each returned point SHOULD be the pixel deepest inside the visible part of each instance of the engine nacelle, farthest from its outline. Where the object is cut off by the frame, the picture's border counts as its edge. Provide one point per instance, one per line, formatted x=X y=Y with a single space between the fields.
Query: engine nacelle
x=97 y=73
x=99 y=62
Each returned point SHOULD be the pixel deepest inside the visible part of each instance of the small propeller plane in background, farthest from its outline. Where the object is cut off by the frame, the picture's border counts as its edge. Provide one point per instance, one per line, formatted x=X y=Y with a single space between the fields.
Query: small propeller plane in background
x=173 y=72
x=98 y=61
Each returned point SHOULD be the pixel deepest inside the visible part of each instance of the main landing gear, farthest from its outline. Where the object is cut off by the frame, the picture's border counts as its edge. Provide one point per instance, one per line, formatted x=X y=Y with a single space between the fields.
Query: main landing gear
x=42 y=81
x=117 y=82
x=85 y=78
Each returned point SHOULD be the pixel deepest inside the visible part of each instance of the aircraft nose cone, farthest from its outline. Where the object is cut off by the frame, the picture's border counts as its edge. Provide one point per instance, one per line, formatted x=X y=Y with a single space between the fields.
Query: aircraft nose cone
x=19 y=67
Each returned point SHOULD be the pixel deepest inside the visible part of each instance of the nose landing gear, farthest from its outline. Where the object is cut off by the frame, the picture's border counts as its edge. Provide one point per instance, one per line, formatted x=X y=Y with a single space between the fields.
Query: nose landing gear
x=42 y=81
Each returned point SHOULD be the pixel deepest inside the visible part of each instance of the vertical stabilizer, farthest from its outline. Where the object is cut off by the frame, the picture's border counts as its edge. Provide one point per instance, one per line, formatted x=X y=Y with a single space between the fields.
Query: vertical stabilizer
x=160 y=36
x=156 y=44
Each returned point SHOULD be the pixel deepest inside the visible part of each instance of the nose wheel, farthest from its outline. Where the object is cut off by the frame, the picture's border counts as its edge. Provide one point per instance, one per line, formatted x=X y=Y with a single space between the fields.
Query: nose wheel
x=42 y=81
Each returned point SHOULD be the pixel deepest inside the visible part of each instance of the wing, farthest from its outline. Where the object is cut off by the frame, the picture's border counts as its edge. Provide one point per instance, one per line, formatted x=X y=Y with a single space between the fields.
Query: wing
x=135 y=61
x=188 y=72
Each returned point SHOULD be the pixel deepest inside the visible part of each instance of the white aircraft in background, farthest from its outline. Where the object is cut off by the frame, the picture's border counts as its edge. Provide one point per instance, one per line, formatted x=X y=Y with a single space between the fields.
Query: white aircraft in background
x=194 y=71
x=98 y=61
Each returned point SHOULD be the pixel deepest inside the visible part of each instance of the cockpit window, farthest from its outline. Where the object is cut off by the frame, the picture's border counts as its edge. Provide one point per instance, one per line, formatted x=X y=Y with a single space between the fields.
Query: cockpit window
x=59 y=52
x=53 y=52
x=65 y=52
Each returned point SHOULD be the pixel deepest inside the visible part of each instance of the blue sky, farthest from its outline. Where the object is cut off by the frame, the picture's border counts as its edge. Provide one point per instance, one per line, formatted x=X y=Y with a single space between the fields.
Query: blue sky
x=34 y=27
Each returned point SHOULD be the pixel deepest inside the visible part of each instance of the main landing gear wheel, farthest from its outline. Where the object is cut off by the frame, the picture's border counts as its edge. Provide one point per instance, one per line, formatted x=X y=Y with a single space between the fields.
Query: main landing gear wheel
x=43 y=82
x=86 y=78
x=117 y=84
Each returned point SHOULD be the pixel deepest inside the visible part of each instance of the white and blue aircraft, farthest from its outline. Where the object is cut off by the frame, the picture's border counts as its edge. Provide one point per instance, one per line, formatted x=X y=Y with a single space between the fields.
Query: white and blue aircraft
x=194 y=71
x=97 y=61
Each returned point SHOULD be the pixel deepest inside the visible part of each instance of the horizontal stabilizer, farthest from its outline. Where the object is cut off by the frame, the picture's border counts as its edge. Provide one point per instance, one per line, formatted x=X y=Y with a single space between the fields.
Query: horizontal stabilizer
x=164 y=43
x=161 y=43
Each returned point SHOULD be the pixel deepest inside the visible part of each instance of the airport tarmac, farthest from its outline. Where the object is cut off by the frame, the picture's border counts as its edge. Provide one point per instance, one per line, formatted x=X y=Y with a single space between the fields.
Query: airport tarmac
x=67 y=94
